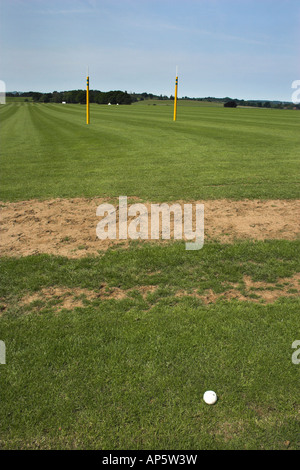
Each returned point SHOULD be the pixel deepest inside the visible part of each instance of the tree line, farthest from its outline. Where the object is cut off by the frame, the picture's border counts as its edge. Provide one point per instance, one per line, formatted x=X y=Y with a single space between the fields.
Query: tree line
x=122 y=97
x=232 y=103
x=226 y=101
x=77 y=96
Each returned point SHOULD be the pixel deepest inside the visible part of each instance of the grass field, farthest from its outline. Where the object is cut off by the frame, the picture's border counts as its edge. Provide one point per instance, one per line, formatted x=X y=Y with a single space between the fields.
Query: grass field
x=17 y=99
x=210 y=152
x=114 y=351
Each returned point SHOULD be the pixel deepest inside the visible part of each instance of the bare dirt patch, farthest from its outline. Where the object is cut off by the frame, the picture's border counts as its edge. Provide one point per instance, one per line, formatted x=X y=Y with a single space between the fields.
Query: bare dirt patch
x=62 y=296
x=65 y=298
x=252 y=291
x=67 y=227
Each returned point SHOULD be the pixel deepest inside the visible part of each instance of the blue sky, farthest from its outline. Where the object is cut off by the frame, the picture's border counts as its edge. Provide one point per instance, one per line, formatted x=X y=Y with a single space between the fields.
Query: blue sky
x=239 y=48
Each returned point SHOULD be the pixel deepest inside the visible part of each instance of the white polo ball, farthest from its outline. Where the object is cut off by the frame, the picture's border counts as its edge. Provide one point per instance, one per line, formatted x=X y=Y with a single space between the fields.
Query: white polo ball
x=210 y=397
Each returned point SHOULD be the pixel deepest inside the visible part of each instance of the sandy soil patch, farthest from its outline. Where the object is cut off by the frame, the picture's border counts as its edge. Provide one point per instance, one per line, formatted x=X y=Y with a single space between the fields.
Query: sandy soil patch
x=65 y=298
x=253 y=291
x=67 y=227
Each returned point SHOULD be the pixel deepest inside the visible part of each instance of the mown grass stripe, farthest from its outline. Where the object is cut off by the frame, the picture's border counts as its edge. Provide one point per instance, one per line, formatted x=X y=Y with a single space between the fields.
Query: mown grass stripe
x=210 y=153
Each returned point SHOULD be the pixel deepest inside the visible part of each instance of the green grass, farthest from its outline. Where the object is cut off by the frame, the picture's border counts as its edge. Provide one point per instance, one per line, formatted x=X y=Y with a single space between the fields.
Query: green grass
x=165 y=266
x=131 y=373
x=17 y=99
x=209 y=152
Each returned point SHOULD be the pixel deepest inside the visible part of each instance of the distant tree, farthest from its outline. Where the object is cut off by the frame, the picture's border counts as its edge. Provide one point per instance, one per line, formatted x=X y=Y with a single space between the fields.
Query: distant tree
x=45 y=98
x=36 y=96
x=230 y=104
x=81 y=97
x=101 y=98
x=56 y=97
x=126 y=98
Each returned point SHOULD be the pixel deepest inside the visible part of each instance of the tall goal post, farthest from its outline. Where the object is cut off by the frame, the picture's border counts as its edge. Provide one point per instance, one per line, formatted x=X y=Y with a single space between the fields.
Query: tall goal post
x=87 y=98
x=175 y=97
